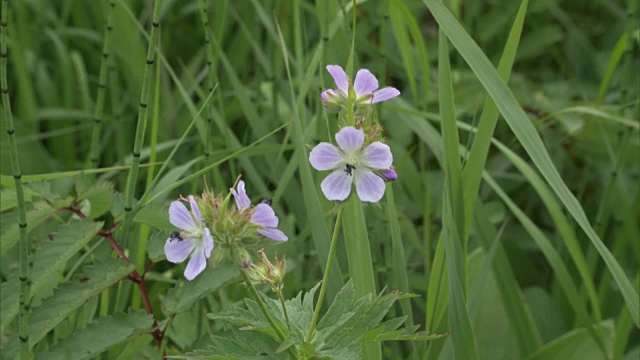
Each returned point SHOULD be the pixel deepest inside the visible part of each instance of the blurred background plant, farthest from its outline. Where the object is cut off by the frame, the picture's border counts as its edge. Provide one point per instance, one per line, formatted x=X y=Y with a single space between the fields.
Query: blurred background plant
x=533 y=283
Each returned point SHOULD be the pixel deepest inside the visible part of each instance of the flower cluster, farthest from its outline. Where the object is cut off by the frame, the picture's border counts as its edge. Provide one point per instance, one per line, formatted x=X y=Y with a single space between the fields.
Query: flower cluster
x=360 y=157
x=211 y=218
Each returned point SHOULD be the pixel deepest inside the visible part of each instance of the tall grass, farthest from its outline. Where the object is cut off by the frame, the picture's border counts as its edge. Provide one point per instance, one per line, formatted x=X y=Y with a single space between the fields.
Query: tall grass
x=516 y=141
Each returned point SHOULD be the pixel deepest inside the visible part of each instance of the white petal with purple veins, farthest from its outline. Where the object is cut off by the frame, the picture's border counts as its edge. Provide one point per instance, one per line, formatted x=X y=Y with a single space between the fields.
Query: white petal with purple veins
x=195 y=211
x=377 y=156
x=177 y=251
x=350 y=139
x=264 y=215
x=273 y=234
x=369 y=186
x=325 y=156
x=337 y=185
x=242 y=200
x=339 y=76
x=180 y=216
x=208 y=242
x=385 y=94
x=365 y=83
x=197 y=263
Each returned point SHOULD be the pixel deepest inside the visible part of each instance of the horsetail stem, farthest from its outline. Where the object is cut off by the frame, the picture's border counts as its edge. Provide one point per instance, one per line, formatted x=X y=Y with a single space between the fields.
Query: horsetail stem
x=25 y=246
x=94 y=154
x=211 y=76
x=141 y=122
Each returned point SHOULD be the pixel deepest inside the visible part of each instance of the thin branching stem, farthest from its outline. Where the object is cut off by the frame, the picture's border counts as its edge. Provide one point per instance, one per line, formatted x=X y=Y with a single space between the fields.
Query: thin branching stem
x=25 y=246
x=325 y=278
x=141 y=122
x=94 y=155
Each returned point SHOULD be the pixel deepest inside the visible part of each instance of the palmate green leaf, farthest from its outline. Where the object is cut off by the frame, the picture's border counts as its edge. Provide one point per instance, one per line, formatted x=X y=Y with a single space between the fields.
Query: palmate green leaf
x=237 y=345
x=69 y=297
x=100 y=196
x=48 y=262
x=11 y=232
x=530 y=140
x=99 y=336
x=182 y=297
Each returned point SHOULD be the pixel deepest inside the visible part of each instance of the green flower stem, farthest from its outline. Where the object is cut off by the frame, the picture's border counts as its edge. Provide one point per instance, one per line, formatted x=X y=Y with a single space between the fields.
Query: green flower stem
x=25 y=246
x=264 y=309
x=284 y=308
x=141 y=123
x=360 y=261
x=325 y=278
x=94 y=154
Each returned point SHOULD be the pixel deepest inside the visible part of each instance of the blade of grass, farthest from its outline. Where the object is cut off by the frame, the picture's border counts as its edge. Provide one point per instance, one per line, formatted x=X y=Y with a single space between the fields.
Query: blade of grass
x=530 y=140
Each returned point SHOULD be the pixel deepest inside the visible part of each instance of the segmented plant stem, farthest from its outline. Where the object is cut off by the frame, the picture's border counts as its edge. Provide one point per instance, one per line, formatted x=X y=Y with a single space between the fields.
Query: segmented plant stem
x=94 y=154
x=141 y=122
x=25 y=246
x=211 y=75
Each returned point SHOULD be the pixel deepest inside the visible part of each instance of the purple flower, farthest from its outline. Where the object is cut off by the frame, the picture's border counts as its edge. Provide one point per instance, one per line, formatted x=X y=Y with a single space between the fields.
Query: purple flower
x=193 y=241
x=352 y=163
x=365 y=87
x=263 y=215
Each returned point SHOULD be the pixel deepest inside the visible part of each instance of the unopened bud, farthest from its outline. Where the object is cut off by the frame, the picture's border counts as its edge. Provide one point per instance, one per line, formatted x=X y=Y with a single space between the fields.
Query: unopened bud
x=389 y=175
x=331 y=101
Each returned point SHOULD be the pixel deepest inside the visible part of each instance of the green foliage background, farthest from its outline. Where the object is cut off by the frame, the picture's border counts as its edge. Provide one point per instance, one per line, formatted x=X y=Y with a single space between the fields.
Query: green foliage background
x=512 y=262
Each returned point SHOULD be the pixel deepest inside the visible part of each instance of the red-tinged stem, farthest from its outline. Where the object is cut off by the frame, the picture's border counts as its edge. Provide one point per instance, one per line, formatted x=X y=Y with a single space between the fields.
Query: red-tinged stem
x=133 y=276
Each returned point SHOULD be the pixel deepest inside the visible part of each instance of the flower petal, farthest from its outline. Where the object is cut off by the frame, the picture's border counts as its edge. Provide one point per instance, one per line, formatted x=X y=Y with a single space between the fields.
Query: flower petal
x=337 y=185
x=369 y=186
x=385 y=94
x=273 y=234
x=325 y=156
x=181 y=217
x=264 y=215
x=340 y=77
x=242 y=200
x=365 y=83
x=377 y=156
x=196 y=264
x=208 y=242
x=195 y=211
x=177 y=251
x=350 y=139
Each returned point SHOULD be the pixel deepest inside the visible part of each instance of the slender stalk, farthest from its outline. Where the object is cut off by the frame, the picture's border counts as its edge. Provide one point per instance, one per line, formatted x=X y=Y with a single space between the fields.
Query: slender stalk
x=284 y=308
x=265 y=311
x=325 y=278
x=25 y=246
x=141 y=122
x=211 y=75
x=94 y=154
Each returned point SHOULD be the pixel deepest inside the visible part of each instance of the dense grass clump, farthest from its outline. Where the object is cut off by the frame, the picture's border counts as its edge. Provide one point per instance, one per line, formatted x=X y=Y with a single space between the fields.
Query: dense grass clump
x=510 y=232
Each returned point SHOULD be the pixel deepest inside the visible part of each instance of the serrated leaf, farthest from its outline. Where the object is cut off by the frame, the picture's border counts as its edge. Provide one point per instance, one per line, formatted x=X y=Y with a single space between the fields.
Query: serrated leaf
x=49 y=260
x=182 y=297
x=11 y=235
x=100 y=195
x=72 y=295
x=91 y=341
x=68 y=298
x=154 y=216
x=240 y=345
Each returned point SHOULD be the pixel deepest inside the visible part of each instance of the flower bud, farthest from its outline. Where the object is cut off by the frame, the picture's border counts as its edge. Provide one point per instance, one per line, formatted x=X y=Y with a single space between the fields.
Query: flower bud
x=389 y=174
x=264 y=270
x=331 y=101
x=243 y=257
